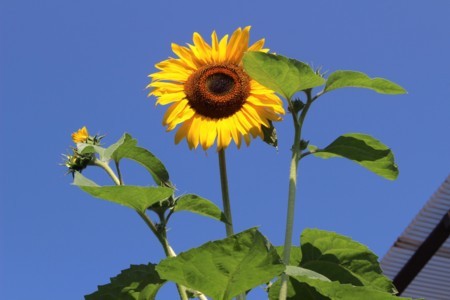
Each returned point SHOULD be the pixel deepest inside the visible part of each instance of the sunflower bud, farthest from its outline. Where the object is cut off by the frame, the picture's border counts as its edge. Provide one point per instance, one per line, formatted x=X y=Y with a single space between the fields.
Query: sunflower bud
x=77 y=162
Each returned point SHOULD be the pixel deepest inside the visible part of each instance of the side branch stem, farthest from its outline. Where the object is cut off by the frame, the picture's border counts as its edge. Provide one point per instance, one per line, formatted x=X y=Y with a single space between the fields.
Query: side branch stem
x=160 y=235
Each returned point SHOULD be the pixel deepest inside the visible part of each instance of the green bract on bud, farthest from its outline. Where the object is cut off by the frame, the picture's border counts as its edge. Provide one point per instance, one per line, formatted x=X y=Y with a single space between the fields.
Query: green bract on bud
x=303 y=144
x=77 y=162
x=319 y=72
x=298 y=105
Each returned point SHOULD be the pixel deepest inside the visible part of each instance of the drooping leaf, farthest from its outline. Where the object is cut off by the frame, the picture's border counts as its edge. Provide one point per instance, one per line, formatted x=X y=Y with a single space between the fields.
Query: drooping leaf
x=364 y=150
x=199 y=205
x=337 y=291
x=285 y=76
x=342 y=79
x=225 y=268
x=339 y=258
x=270 y=135
x=126 y=147
x=136 y=197
x=139 y=282
x=296 y=255
x=296 y=289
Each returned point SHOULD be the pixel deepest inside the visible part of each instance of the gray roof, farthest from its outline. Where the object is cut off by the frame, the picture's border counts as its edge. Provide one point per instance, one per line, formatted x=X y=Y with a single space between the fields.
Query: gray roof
x=433 y=281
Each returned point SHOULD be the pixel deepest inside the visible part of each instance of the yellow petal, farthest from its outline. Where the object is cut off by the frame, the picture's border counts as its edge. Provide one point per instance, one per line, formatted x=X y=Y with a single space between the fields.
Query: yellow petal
x=81 y=135
x=257 y=46
x=243 y=120
x=235 y=134
x=247 y=139
x=162 y=87
x=223 y=48
x=236 y=49
x=265 y=102
x=184 y=115
x=223 y=135
x=193 y=134
x=186 y=55
x=168 y=98
x=253 y=114
x=232 y=44
x=174 y=76
x=173 y=111
x=215 y=47
x=182 y=131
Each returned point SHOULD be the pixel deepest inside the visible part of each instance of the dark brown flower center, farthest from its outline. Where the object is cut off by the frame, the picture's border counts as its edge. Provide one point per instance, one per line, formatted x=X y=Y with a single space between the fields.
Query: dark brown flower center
x=219 y=83
x=217 y=91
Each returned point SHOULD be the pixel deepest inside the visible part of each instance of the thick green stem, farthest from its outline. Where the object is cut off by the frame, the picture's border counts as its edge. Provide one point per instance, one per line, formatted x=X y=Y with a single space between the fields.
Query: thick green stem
x=160 y=235
x=225 y=193
x=226 y=200
x=293 y=173
x=291 y=207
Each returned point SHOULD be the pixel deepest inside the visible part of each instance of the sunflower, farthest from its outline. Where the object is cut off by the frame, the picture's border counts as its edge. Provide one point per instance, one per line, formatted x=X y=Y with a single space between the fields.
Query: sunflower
x=80 y=136
x=211 y=95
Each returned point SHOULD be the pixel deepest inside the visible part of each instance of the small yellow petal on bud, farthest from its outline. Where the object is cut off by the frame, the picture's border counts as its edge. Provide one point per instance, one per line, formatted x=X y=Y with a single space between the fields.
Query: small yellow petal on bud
x=81 y=135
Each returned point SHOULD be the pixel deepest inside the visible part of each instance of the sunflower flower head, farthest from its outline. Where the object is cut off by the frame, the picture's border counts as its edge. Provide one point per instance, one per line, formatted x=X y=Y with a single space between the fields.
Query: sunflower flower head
x=82 y=136
x=211 y=95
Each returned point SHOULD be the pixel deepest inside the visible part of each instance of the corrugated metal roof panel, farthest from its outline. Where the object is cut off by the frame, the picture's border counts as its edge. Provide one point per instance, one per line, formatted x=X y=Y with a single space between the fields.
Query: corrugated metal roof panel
x=433 y=281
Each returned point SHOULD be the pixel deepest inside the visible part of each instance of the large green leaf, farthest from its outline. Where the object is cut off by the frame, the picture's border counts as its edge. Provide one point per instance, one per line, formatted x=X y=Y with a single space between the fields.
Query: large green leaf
x=285 y=76
x=139 y=282
x=341 y=259
x=296 y=255
x=199 y=205
x=364 y=150
x=307 y=288
x=342 y=79
x=225 y=268
x=136 y=197
x=295 y=289
x=126 y=147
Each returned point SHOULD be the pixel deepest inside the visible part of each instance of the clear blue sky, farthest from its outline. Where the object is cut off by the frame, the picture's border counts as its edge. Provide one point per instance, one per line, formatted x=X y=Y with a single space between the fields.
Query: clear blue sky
x=65 y=64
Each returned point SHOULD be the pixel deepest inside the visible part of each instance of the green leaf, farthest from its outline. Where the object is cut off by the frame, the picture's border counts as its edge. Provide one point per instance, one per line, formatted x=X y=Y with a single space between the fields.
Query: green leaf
x=364 y=150
x=305 y=288
x=285 y=76
x=126 y=148
x=84 y=148
x=296 y=255
x=294 y=271
x=342 y=79
x=225 y=268
x=136 y=197
x=139 y=282
x=294 y=288
x=336 y=291
x=270 y=135
x=341 y=259
x=199 y=205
